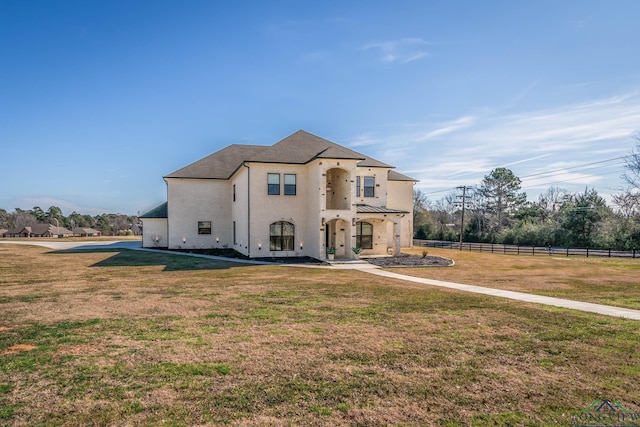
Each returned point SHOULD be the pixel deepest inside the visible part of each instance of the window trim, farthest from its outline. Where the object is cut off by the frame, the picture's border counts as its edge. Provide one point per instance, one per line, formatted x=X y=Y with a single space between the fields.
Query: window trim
x=203 y=229
x=358 y=186
x=273 y=189
x=277 y=241
x=372 y=188
x=359 y=235
x=288 y=187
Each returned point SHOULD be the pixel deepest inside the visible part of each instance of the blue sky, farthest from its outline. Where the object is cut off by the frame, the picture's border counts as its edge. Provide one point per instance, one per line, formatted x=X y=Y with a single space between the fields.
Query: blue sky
x=100 y=99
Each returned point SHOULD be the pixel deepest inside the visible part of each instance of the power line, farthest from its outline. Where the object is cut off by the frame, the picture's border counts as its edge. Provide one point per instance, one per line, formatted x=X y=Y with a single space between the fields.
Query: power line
x=579 y=166
x=558 y=172
x=566 y=180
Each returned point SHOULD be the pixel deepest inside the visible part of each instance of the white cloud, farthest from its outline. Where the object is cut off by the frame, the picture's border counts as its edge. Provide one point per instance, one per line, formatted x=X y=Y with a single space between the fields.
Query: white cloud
x=449 y=127
x=461 y=151
x=402 y=51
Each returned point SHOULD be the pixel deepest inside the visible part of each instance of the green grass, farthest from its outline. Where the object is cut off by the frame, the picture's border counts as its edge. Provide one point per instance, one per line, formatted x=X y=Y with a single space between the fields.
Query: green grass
x=288 y=346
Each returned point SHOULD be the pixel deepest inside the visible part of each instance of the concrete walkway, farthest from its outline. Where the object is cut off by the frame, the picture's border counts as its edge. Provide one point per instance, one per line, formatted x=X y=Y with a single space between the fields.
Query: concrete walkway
x=365 y=267
x=607 y=310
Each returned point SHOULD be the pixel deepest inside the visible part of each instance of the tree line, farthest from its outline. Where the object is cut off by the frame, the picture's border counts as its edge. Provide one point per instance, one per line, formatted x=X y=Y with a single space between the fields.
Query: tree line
x=108 y=224
x=497 y=211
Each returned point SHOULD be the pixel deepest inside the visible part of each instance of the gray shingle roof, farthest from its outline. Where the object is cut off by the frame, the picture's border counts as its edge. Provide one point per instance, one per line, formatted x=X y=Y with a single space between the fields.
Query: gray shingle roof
x=85 y=230
x=396 y=176
x=298 y=148
x=157 y=212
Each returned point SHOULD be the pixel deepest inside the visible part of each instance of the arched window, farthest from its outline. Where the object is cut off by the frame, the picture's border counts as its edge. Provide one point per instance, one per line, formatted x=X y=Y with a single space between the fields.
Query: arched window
x=364 y=235
x=281 y=236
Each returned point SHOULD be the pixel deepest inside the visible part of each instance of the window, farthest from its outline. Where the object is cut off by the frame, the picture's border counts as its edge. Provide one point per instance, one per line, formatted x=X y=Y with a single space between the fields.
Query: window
x=273 y=184
x=234 y=233
x=281 y=235
x=369 y=186
x=204 y=227
x=234 y=192
x=289 y=184
x=364 y=235
x=357 y=186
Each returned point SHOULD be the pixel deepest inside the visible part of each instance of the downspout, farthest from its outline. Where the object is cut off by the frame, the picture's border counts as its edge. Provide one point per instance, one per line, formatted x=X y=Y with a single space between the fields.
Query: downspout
x=248 y=209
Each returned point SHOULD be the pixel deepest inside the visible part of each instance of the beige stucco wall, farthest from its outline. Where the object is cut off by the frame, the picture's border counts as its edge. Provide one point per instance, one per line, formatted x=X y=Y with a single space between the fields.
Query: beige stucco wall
x=240 y=211
x=193 y=200
x=267 y=209
x=400 y=196
x=380 y=193
x=154 y=233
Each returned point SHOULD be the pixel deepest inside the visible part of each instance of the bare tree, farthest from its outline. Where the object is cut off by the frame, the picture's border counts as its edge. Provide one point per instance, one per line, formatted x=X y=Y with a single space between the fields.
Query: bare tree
x=21 y=218
x=632 y=176
x=628 y=203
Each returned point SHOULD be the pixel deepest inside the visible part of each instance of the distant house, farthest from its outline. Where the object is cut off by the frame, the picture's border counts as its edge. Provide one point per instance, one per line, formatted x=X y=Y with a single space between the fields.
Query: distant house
x=86 y=232
x=3 y=231
x=39 y=230
x=303 y=196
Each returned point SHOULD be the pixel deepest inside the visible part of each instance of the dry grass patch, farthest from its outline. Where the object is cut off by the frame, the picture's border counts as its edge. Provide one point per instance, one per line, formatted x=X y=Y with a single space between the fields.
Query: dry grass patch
x=137 y=338
x=610 y=281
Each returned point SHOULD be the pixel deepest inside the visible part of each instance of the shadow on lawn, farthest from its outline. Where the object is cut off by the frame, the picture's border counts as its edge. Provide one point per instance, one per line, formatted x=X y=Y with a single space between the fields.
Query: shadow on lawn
x=133 y=258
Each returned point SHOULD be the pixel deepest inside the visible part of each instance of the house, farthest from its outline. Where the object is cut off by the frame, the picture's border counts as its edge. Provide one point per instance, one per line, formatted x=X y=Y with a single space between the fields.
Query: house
x=298 y=197
x=86 y=232
x=39 y=230
x=3 y=232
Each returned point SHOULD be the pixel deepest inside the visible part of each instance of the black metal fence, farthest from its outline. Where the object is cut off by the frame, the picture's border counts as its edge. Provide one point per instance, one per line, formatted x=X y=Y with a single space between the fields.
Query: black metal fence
x=495 y=248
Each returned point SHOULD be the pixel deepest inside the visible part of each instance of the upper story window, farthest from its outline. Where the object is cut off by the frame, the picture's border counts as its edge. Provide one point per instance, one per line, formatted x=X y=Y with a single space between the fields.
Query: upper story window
x=357 y=186
x=369 y=186
x=289 y=184
x=204 y=227
x=273 y=184
x=234 y=192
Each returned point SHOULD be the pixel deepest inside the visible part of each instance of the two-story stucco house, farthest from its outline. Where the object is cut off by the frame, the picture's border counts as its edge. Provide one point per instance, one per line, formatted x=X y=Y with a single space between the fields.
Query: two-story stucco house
x=297 y=197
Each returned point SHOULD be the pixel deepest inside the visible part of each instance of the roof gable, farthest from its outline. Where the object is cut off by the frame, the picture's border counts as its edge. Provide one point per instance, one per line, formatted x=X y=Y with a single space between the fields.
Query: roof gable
x=396 y=176
x=298 y=148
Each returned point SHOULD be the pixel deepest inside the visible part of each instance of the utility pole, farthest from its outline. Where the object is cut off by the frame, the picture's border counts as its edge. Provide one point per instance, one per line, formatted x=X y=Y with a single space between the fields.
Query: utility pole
x=464 y=189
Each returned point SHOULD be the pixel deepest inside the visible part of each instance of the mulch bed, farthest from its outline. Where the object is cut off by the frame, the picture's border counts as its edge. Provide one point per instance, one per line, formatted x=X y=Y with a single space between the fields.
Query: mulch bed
x=406 y=260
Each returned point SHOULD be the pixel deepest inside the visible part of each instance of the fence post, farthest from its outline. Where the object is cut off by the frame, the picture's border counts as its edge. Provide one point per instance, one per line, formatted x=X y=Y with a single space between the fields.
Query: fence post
x=518 y=249
x=567 y=251
x=504 y=247
x=587 y=252
x=533 y=250
x=492 y=248
x=609 y=252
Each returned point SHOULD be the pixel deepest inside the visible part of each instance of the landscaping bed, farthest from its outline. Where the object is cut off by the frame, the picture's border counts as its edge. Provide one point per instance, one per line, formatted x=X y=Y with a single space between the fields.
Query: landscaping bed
x=407 y=260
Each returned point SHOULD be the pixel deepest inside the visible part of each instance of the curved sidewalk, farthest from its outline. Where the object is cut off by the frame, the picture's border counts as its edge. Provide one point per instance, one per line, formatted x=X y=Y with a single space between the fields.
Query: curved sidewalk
x=607 y=310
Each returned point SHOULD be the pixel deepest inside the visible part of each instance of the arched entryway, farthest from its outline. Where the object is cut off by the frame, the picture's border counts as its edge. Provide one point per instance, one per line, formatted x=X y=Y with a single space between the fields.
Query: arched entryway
x=338 y=189
x=338 y=236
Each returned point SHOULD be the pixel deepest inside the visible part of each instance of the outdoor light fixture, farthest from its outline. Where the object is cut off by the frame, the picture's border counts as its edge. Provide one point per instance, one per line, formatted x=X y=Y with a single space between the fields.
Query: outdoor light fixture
x=184 y=240
x=217 y=239
x=300 y=245
x=259 y=246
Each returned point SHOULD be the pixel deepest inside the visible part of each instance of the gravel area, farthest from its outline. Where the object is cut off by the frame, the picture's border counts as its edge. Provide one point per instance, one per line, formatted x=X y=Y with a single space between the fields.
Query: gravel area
x=406 y=260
